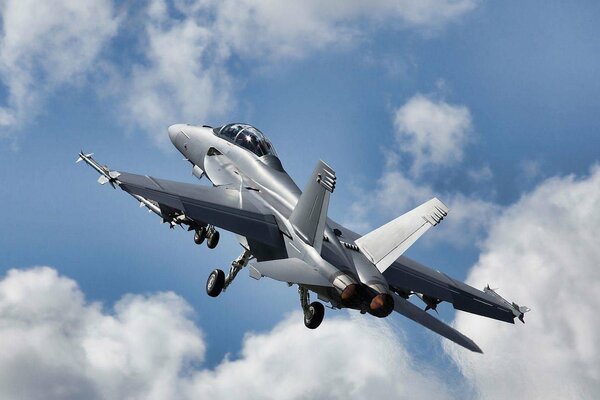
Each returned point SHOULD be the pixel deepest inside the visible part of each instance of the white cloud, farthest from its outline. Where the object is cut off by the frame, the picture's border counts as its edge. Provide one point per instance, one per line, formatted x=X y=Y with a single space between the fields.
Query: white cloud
x=45 y=44
x=58 y=346
x=259 y=28
x=530 y=170
x=543 y=252
x=344 y=358
x=183 y=78
x=433 y=132
x=481 y=174
x=183 y=73
x=396 y=193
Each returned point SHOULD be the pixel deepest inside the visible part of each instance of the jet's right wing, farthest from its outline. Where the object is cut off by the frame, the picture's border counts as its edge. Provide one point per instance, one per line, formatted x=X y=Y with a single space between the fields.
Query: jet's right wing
x=228 y=208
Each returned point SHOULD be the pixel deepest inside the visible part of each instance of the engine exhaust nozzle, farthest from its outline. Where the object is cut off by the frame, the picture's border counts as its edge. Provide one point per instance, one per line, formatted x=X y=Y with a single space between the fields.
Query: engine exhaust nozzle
x=351 y=294
x=381 y=305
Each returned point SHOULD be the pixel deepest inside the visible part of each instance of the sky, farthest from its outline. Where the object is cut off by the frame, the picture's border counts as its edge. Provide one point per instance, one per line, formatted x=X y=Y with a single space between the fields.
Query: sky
x=490 y=106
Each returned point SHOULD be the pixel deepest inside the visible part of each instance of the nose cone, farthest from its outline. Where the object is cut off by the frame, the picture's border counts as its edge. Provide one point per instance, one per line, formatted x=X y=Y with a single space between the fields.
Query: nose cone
x=174 y=131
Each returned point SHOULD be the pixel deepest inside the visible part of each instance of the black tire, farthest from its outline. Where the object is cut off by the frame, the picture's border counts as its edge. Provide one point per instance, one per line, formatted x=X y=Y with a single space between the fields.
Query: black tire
x=200 y=235
x=314 y=315
x=213 y=240
x=215 y=283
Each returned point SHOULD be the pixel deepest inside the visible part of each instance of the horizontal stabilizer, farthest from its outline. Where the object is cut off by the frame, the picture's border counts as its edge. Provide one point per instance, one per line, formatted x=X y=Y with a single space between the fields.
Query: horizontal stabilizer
x=411 y=311
x=385 y=244
x=291 y=270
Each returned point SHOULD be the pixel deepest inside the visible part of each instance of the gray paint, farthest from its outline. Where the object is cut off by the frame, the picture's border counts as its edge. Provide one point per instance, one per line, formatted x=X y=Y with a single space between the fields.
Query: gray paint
x=290 y=236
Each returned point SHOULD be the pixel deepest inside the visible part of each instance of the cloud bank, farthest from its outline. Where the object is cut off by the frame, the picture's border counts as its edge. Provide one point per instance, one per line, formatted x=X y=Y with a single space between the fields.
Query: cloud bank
x=45 y=45
x=542 y=251
x=430 y=137
x=59 y=346
x=432 y=131
x=182 y=49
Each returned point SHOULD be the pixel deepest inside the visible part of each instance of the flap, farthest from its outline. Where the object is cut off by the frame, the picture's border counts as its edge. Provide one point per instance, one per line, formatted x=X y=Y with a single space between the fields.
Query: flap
x=291 y=270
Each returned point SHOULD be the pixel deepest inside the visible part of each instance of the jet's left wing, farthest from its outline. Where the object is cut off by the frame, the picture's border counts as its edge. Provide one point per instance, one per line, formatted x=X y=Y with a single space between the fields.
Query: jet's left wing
x=409 y=276
x=194 y=204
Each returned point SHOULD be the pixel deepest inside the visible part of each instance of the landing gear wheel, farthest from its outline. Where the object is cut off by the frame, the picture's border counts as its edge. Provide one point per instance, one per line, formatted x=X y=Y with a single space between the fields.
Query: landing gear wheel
x=213 y=240
x=200 y=235
x=215 y=283
x=313 y=315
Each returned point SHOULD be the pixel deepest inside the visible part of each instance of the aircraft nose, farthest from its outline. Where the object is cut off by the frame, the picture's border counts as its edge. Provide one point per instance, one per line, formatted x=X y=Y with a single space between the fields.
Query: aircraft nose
x=173 y=131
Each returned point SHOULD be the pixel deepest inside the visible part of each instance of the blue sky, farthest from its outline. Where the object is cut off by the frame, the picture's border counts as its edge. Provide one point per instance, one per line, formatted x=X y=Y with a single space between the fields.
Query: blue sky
x=322 y=83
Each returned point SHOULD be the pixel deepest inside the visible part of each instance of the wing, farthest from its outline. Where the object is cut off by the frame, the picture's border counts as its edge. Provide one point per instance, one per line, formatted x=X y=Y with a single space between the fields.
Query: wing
x=406 y=275
x=236 y=211
x=421 y=317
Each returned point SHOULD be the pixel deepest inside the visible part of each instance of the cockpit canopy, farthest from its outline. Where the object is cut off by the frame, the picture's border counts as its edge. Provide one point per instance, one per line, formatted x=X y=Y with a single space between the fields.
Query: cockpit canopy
x=248 y=137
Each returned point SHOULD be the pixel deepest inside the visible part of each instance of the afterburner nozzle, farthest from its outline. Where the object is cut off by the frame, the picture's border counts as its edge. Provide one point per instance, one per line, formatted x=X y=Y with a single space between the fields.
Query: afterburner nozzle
x=381 y=305
x=351 y=294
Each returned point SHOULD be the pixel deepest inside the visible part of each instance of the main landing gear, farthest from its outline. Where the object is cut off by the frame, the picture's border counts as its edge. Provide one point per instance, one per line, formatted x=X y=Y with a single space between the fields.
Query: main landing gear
x=313 y=312
x=207 y=232
x=217 y=281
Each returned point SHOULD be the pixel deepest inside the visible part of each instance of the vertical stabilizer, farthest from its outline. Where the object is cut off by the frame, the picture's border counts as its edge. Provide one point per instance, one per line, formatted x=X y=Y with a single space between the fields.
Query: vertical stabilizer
x=310 y=214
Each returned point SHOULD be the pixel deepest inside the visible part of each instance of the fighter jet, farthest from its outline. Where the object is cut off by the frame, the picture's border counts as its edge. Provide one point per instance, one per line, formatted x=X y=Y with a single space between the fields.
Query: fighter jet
x=286 y=234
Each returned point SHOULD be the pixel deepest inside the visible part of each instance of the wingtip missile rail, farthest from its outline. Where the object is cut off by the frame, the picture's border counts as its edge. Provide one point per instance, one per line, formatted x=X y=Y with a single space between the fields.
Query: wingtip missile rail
x=106 y=175
x=109 y=176
x=518 y=311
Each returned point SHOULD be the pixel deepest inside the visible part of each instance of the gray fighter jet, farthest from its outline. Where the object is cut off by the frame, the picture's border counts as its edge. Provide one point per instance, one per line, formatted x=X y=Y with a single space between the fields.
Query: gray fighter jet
x=286 y=234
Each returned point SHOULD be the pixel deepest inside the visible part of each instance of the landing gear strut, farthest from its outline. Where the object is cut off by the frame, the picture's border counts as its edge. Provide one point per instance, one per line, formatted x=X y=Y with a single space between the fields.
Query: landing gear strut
x=217 y=281
x=236 y=266
x=313 y=312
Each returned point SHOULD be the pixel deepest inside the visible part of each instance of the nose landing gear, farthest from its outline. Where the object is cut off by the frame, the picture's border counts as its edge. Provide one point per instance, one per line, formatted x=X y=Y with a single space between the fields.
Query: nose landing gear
x=217 y=281
x=313 y=312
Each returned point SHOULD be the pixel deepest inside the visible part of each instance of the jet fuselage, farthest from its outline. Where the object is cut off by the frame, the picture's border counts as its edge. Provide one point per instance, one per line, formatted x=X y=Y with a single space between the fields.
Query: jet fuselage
x=358 y=283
